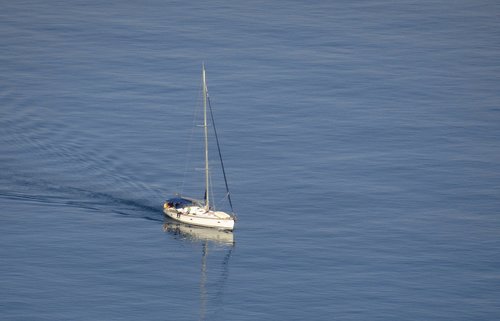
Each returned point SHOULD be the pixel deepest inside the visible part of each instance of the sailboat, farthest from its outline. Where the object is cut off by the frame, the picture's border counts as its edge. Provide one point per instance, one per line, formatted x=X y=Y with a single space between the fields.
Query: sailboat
x=202 y=212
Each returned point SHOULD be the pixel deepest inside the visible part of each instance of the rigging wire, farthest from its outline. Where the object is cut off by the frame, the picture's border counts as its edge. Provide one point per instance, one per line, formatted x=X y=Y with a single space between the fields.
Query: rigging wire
x=220 y=154
x=211 y=191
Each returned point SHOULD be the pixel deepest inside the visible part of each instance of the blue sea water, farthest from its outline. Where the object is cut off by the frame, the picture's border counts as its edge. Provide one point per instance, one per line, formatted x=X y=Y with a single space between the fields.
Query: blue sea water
x=361 y=141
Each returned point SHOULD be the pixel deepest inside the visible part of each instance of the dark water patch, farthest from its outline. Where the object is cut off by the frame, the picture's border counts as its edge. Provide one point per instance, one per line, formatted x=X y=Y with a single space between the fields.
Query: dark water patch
x=86 y=199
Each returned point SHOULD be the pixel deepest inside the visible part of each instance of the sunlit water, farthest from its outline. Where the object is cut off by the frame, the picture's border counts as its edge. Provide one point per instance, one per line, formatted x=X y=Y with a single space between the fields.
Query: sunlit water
x=361 y=140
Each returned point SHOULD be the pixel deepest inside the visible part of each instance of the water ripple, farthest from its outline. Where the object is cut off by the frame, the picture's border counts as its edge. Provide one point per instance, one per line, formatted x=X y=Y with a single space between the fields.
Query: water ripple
x=45 y=160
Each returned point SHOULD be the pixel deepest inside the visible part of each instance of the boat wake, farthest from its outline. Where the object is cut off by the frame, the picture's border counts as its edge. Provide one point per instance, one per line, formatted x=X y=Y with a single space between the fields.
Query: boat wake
x=44 y=193
x=45 y=160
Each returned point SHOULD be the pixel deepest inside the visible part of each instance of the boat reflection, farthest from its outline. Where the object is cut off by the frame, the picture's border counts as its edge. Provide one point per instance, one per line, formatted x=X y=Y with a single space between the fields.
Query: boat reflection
x=213 y=291
x=198 y=233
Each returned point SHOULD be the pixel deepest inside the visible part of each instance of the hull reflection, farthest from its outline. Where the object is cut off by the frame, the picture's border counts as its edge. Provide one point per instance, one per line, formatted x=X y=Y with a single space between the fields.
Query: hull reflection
x=198 y=233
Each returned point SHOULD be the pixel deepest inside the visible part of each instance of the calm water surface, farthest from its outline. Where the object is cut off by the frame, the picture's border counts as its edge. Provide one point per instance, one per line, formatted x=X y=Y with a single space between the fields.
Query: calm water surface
x=361 y=140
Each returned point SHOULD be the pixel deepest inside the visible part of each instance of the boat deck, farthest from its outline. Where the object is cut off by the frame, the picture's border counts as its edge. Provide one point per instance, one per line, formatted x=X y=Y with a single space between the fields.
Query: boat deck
x=201 y=212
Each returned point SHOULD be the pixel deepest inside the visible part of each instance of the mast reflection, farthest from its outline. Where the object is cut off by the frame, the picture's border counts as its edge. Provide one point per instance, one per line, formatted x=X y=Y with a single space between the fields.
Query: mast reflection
x=206 y=237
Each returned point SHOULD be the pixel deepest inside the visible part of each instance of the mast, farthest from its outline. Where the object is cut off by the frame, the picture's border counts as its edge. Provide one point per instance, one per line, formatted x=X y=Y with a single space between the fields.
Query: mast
x=207 y=191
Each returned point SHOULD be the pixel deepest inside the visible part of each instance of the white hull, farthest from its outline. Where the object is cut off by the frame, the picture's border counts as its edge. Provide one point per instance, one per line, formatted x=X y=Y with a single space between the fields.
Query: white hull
x=197 y=216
